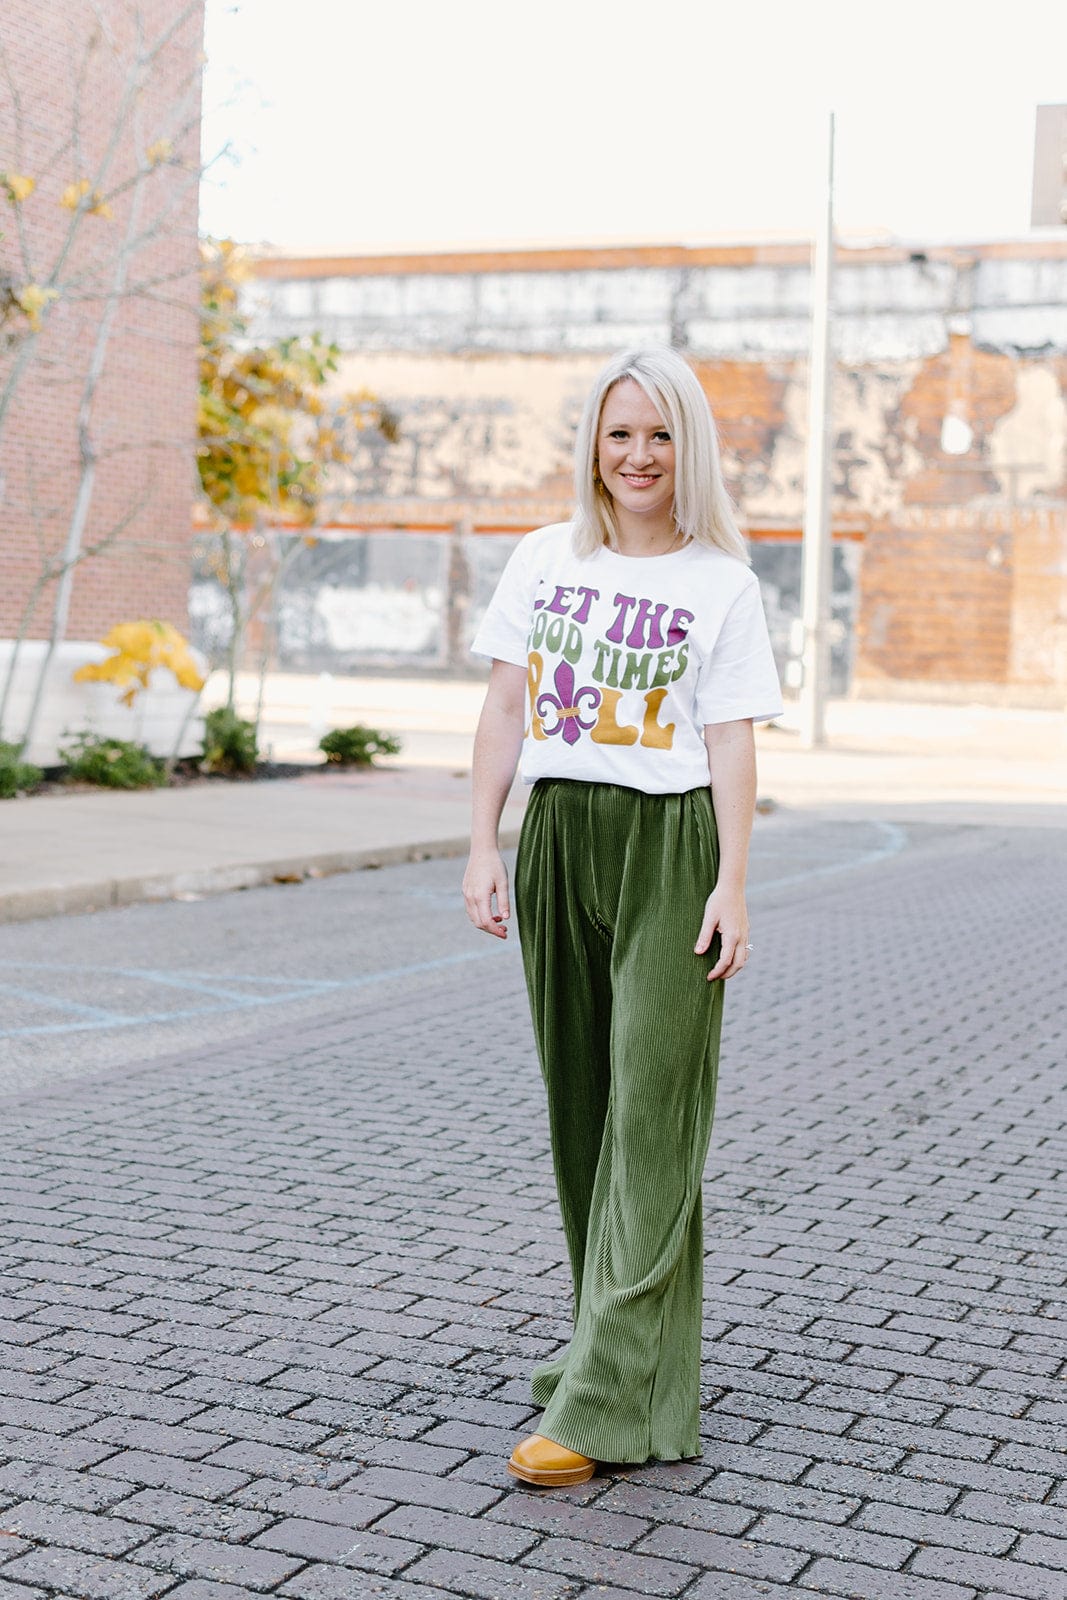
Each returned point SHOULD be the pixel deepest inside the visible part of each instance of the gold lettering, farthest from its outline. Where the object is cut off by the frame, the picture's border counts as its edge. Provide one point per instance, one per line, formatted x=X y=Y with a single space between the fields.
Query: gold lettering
x=535 y=666
x=609 y=730
x=653 y=735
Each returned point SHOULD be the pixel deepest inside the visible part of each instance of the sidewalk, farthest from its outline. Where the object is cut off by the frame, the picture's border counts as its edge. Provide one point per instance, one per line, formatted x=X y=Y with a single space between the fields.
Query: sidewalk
x=904 y=763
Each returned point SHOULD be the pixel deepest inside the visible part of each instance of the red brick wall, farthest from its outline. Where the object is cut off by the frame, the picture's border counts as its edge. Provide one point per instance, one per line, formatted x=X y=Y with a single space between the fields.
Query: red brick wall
x=144 y=412
x=962 y=585
x=934 y=605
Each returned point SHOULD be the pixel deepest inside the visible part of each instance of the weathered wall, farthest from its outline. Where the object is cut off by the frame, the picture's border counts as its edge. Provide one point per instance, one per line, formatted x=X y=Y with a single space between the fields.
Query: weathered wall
x=964 y=557
x=143 y=416
x=743 y=301
x=410 y=600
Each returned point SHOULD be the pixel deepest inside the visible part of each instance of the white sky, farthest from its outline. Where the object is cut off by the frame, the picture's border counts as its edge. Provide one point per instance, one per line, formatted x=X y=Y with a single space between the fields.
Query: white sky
x=423 y=124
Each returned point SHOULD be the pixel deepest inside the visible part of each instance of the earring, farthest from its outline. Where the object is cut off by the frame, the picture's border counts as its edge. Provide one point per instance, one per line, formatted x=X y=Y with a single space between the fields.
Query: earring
x=597 y=479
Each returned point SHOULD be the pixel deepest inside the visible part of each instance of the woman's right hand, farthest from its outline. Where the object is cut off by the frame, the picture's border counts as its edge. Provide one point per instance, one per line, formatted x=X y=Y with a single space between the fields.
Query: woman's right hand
x=486 y=879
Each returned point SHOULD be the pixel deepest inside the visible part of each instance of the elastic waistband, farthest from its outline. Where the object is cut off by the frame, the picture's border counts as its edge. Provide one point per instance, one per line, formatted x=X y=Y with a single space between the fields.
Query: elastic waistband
x=610 y=805
x=591 y=787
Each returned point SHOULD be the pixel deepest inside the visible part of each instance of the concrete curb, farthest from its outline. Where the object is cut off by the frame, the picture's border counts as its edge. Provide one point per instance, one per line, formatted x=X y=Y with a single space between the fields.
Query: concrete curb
x=53 y=900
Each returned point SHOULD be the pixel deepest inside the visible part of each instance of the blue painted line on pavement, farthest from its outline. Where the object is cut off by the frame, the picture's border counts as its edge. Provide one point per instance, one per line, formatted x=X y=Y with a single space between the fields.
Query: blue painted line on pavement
x=893 y=839
x=191 y=980
x=57 y=1003
x=204 y=983
x=240 y=1003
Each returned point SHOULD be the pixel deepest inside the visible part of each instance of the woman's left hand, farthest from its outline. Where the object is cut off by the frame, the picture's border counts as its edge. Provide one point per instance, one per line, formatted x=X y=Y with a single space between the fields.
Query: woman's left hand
x=725 y=911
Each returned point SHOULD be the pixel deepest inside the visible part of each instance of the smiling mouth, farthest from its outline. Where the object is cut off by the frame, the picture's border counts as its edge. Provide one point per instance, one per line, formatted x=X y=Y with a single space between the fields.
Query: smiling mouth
x=639 y=479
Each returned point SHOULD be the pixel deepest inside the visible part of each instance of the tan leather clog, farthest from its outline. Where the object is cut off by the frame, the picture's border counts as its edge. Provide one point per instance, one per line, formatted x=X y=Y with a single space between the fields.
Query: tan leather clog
x=543 y=1461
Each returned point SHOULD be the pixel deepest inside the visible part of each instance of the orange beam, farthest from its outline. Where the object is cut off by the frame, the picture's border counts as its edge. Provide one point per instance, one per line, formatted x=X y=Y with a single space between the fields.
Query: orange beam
x=587 y=258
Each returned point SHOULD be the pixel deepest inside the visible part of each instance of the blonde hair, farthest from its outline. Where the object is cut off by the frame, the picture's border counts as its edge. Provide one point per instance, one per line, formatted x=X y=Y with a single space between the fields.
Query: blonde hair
x=702 y=505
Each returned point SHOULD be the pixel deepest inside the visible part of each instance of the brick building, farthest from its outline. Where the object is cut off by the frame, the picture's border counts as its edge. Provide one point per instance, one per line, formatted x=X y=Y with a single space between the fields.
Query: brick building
x=106 y=97
x=950 y=439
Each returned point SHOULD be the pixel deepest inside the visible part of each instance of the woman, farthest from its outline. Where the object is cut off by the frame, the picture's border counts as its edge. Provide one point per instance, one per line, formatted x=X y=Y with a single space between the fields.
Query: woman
x=630 y=658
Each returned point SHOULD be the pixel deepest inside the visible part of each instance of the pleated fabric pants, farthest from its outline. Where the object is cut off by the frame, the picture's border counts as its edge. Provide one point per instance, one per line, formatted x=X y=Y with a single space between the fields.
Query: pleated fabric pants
x=610 y=890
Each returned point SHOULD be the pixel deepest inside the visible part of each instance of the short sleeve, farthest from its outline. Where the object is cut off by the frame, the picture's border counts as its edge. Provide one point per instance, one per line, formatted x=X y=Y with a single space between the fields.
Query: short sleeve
x=502 y=632
x=739 y=678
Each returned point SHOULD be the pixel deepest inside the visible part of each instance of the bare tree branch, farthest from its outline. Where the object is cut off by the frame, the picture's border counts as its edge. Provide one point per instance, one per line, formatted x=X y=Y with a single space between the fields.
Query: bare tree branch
x=144 y=58
x=51 y=569
x=19 y=118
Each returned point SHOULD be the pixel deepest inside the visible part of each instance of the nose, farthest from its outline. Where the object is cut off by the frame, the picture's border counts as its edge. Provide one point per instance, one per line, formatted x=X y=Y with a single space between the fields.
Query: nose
x=640 y=453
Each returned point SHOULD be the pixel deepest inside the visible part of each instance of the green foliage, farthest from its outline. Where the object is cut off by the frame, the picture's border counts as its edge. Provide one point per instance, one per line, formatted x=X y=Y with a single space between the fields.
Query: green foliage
x=15 y=775
x=112 y=763
x=357 y=746
x=230 y=744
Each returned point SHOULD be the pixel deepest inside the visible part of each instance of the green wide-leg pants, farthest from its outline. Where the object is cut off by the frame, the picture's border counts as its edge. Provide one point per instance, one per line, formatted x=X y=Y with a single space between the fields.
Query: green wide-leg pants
x=610 y=890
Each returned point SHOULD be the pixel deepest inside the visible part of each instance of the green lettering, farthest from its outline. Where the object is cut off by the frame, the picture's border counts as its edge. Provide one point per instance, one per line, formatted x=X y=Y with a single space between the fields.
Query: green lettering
x=664 y=674
x=636 y=671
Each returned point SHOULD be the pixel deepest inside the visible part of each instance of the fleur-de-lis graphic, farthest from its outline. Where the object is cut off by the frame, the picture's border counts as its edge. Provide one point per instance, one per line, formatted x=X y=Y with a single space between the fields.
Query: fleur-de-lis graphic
x=567 y=705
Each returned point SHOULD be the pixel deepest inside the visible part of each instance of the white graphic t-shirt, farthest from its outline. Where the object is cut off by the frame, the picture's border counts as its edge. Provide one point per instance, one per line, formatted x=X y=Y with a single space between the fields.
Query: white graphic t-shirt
x=627 y=658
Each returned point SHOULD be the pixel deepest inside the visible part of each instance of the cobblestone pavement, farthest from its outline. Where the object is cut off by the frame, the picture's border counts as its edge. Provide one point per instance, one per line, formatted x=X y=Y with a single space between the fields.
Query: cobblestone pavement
x=268 y=1306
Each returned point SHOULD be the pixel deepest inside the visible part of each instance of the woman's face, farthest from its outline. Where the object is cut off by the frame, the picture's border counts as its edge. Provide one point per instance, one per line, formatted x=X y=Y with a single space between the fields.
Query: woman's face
x=635 y=451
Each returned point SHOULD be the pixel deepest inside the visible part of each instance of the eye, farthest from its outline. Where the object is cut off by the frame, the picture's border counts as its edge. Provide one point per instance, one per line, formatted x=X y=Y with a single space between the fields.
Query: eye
x=617 y=433
x=664 y=435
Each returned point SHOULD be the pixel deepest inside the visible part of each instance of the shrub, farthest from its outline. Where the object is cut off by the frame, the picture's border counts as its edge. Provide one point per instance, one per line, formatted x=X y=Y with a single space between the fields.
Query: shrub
x=15 y=774
x=230 y=744
x=357 y=747
x=112 y=763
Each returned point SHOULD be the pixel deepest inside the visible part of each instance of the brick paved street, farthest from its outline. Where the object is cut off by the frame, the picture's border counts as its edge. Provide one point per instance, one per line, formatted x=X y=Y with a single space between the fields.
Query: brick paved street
x=268 y=1303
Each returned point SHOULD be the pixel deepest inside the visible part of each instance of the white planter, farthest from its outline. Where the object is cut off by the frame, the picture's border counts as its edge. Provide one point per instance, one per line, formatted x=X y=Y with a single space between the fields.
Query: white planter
x=69 y=708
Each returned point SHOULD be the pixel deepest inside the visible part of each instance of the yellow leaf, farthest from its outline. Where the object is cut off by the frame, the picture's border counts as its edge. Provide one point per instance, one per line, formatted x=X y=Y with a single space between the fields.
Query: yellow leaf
x=140 y=647
x=187 y=676
x=18 y=186
x=130 y=638
x=74 y=193
x=158 y=152
x=35 y=300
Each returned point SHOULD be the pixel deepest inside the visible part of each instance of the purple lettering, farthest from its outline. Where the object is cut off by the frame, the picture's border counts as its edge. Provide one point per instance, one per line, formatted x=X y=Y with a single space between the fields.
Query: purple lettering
x=557 y=603
x=582 y=613
x=647 y=621
x=681 y=622
x=624 y=603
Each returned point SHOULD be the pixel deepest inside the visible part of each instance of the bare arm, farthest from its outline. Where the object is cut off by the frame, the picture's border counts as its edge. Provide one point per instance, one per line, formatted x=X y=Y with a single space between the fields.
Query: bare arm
x=496 y=753
x=732 y=762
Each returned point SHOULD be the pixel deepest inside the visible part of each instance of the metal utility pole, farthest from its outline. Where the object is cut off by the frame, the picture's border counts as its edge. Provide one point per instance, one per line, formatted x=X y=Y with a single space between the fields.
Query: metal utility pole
x=816 y=558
